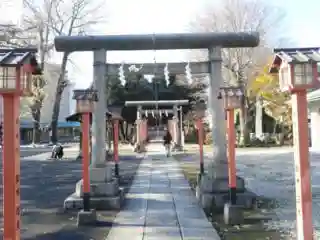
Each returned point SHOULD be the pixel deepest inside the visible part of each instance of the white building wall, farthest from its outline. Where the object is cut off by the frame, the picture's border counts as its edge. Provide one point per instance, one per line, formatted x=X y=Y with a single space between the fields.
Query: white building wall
x=51 y=73
x=315 y=125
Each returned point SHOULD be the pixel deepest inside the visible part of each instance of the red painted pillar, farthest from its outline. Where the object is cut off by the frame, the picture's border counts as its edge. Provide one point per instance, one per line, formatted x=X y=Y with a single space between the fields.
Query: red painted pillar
x=145 y=122
x=143 y=131
x=86 y=160
x=302 y=165
x=138 y=126
x=116 y=146
x=11 y=167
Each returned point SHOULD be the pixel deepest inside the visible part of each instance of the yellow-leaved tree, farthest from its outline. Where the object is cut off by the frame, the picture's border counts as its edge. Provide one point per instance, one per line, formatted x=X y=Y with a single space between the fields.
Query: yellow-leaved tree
x=276 y=103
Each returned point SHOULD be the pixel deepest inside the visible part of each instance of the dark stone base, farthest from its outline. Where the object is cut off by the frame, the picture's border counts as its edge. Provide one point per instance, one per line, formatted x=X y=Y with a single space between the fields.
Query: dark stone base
x=213 y=194
x=219 y=185
x=75 y=202
x=177 y=148
x=86 y=218
x=233 y=214
x=140 y=148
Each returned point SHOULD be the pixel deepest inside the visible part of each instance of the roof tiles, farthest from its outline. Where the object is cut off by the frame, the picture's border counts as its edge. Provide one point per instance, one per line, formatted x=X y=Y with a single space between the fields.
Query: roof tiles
x=15 y=56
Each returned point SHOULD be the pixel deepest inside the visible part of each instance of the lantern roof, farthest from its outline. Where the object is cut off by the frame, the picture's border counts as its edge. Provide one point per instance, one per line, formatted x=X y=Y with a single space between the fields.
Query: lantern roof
x=16 y=56
x=85 y=94
x=110 y=115
x=294 y=56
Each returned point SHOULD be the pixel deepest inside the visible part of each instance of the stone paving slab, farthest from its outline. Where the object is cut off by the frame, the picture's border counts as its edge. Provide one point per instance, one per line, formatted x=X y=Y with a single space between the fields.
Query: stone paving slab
x=161 y=205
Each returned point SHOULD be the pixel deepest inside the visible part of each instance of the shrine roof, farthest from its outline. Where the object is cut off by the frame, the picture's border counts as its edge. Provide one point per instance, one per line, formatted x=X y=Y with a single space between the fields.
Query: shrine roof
x=113 y=113
x=15 y=56
x=159 y=103
x=295 y=56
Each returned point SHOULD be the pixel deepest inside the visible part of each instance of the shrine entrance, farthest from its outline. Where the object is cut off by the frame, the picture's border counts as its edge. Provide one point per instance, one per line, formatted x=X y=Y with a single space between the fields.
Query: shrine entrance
x=217 y=174
x=154 y=118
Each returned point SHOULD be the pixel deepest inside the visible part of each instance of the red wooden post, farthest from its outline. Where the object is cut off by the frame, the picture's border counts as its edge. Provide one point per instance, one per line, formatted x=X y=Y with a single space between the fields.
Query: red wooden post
x=11 y=167
x=85 y=160
x=116 y=145
x=297 y=74
x=302 y=165
x=231 y=156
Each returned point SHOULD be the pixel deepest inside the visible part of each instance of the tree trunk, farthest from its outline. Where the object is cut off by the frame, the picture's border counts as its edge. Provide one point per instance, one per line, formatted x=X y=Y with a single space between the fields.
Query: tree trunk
x=56 y=107
x=36 y=132
x=54 y=121
x=244 y=133
x=258 y=118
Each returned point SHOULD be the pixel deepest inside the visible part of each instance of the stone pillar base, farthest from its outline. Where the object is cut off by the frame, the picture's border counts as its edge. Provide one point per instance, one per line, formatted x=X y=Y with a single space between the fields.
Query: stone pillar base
x=233 y=214
x=105 y=193
x=86 y=218
x=177 y=148
x=140 y=148
x=213 y=193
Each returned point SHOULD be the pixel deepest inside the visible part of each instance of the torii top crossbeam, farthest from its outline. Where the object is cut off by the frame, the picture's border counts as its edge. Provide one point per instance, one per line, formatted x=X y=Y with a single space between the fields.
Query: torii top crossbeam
x=154 y=103
x=155 y=41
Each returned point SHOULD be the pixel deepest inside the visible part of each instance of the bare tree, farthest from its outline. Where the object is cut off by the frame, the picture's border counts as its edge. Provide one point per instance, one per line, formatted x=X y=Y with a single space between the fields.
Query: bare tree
x=56 y=18
x=30 y=34
x=242 y=64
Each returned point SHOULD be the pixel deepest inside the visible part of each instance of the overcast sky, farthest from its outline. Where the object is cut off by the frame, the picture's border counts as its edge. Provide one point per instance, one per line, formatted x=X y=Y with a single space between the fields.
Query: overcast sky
x=165 y=16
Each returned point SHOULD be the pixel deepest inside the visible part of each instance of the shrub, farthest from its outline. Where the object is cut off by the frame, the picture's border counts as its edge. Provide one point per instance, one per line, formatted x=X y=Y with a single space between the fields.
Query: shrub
x=208 y=138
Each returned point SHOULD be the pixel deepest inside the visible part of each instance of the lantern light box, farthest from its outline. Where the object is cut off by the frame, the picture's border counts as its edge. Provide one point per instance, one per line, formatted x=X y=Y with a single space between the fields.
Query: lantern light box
x=16 y=71
x=232 y=97
x=86 y=99
x=296 y=68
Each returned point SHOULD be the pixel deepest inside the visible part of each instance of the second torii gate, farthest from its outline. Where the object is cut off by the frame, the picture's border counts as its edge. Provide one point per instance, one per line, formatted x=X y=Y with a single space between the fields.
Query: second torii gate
x=173 y=125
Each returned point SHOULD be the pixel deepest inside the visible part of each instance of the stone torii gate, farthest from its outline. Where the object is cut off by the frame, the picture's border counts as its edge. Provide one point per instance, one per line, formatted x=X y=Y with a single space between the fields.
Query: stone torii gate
x=142 y=124
x=216 y=181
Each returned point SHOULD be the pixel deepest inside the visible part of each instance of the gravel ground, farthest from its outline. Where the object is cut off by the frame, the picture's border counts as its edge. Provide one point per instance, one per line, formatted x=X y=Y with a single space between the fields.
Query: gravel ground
x=45 y=185
x=252 y=228
x=270 y=173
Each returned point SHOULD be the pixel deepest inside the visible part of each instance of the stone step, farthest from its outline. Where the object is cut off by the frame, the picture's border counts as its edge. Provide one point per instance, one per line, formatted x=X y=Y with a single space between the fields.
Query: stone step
x=75 y=202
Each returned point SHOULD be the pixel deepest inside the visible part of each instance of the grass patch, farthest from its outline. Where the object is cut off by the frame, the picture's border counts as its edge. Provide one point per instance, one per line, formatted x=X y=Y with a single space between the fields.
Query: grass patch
x=253 y=228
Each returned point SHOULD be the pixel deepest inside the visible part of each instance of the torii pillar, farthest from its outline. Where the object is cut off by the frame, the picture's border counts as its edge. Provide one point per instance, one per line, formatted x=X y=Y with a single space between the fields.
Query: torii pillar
x=105 y=191
x=176 y=129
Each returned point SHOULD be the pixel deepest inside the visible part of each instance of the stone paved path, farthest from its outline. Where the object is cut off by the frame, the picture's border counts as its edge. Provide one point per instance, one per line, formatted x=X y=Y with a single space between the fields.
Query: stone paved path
x=161 y=205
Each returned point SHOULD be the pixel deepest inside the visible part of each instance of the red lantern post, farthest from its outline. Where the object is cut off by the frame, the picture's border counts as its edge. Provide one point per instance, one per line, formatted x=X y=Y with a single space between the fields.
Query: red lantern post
x=85 y=106
x=15 y=81
x=297 y=70
x=232 y=99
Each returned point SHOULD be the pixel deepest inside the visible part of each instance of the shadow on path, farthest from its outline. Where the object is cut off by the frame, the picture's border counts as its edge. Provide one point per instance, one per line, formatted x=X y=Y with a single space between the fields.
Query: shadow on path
x=44 y=186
